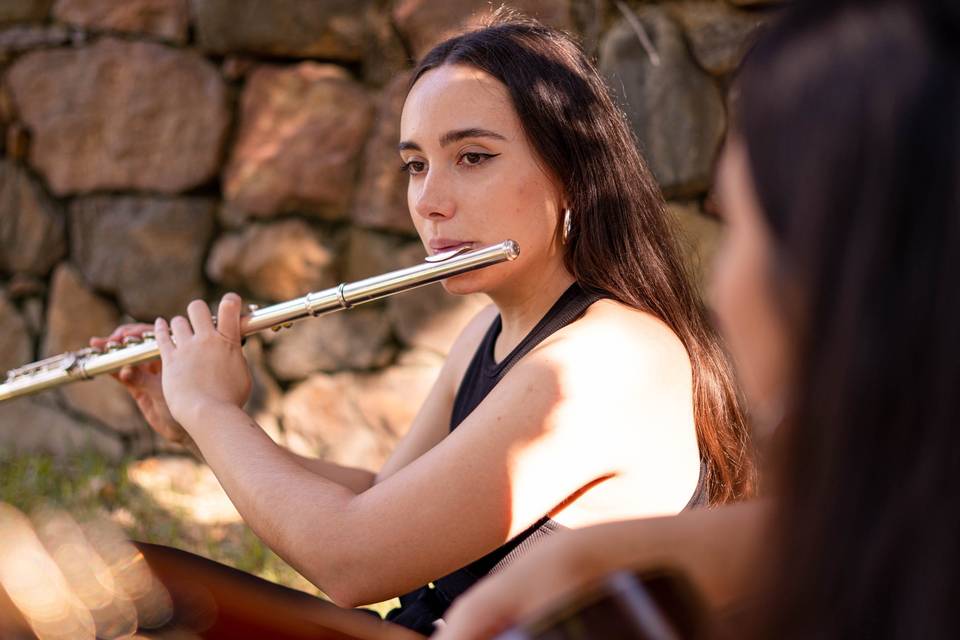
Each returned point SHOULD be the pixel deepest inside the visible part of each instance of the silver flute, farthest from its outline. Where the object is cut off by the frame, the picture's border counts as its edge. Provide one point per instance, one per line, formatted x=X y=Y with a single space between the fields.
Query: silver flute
x=89 y=362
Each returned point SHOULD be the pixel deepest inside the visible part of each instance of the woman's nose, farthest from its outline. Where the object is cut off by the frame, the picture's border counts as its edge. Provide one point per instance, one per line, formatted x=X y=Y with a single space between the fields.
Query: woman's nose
x=434 y=201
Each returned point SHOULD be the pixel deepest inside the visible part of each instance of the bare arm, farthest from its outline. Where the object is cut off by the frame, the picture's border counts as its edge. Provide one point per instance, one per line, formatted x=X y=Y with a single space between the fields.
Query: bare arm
x=530 y=445
x=143 y=382
x=355 y=479
x=712 y=547
x=527 y=448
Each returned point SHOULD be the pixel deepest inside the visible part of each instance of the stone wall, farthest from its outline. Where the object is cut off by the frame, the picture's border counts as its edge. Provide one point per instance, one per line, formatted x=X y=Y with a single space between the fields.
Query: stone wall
x=155 y=151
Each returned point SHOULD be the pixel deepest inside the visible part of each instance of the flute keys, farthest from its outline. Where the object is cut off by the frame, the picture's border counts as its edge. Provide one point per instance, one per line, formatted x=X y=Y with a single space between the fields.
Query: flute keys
x=148 y=335
x=112 y=345
x=132 y=340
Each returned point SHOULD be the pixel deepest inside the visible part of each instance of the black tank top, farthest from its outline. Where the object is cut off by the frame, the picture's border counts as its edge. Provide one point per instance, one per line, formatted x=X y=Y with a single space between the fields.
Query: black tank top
x=420 y=608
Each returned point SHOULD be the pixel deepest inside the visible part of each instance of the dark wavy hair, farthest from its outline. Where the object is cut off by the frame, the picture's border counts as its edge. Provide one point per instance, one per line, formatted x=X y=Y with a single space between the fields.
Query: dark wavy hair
x=622 y=242
x=850 y=114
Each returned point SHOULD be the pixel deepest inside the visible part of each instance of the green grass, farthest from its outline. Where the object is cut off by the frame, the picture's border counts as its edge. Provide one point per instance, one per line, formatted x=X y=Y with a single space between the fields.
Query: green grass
x=88 y=486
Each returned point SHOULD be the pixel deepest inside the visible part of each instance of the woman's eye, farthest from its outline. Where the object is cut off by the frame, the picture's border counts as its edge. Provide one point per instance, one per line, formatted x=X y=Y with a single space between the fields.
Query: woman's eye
x=474 y=158
x=413 y=167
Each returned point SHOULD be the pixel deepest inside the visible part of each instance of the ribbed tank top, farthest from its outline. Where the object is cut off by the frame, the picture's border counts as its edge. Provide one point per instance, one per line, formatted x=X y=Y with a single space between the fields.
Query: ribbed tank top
x=420 y=608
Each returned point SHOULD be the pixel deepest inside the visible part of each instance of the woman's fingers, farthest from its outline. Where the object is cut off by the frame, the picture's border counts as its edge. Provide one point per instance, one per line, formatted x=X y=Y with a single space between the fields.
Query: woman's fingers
x=129 y=375
x=117 y=335
x=228 y=317
x=162 y=332
x=200 y=318
x=132 y=329
x=179 y=329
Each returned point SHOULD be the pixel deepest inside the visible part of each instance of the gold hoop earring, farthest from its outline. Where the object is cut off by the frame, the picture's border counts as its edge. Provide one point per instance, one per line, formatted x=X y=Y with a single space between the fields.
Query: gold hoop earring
x=567 y=225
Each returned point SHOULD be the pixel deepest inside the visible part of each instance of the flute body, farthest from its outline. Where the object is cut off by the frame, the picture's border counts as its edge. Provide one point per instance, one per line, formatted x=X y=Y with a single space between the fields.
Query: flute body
x=88 y=363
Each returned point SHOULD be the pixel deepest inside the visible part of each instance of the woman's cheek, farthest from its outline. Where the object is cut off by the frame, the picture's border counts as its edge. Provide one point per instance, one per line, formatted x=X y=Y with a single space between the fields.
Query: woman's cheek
x=731 y=301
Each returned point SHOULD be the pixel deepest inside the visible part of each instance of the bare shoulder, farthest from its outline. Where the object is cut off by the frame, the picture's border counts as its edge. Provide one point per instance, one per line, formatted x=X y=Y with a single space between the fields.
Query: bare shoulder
x=624 y=341
x=617 y=364
x=618 y=391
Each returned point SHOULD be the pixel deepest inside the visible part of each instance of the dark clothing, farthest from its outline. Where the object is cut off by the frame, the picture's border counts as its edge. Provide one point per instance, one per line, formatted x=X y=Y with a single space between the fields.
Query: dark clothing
x=420 y=608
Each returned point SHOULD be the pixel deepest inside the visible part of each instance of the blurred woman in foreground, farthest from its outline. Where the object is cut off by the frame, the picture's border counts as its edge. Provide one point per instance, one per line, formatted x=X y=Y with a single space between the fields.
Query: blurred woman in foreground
x=837 y=290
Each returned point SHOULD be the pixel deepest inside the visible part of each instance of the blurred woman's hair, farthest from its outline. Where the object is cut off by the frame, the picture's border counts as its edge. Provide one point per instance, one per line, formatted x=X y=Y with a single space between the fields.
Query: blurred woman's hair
x=850 y=114
x=622 y=243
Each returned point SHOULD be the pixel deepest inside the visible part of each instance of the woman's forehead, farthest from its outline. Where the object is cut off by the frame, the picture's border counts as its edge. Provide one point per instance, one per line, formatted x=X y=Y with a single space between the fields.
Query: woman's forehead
x=453 y=97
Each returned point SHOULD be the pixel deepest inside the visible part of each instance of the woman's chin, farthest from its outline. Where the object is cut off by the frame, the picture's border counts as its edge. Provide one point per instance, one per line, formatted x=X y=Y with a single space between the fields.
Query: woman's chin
x=463 y=284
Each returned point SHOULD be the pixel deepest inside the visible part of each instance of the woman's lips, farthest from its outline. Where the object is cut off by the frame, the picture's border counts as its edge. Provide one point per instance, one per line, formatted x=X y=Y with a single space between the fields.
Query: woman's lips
x=440 y=245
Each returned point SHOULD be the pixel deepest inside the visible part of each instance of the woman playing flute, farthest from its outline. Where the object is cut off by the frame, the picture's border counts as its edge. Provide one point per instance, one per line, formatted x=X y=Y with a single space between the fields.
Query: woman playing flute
x=592 y=389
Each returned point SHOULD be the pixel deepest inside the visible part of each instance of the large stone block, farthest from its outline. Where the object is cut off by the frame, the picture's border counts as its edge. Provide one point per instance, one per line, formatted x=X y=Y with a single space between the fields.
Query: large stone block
x=24 y=37
x=147 y=251
x=32 y=237
x=385 y=56
x=381 y=200
x=274 y=262
x=699 y=237
x=719 y=35
x=75 y=313
x=675 y=108
x=28 y=293
x=168 y=19
x=16 y=345
x=121 y=115
x=424 y=23
x=355 y=419
x=319 y=421
x=430 y=318
x=370 y=253
x=23 y=10
x=29 y=426
x=332 y=29
x=301 y=132
x=355 y=339
x=106 y=401
x=390 y=399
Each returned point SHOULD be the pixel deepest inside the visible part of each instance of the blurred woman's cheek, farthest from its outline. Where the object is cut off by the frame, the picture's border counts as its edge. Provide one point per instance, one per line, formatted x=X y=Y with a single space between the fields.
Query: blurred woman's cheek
x=743 y=299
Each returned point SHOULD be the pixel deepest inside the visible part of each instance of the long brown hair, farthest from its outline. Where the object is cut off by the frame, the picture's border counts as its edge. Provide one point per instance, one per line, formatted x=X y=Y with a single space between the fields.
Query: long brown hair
x=850 y=114
x=622 y=243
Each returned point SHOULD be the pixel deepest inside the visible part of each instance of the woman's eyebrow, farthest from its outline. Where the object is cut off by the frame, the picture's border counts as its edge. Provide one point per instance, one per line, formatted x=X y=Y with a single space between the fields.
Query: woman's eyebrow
x=453 y=136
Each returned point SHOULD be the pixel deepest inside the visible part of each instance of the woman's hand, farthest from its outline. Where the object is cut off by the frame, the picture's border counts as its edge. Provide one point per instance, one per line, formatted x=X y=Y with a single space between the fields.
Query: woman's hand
x=143 y=383
x=552 y=570
x=203 y=364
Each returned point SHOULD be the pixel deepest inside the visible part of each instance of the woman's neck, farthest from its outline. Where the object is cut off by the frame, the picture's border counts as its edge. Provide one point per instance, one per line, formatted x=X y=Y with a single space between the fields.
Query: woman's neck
x=522 y=307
